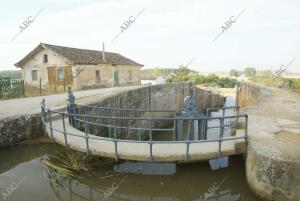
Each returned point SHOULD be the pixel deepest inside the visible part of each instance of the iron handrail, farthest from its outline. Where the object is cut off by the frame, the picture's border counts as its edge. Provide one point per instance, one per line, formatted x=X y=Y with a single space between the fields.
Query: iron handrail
x=115 y=140
x=91 y=136
x=124 y=127
x=151 y=118
x=121 y=109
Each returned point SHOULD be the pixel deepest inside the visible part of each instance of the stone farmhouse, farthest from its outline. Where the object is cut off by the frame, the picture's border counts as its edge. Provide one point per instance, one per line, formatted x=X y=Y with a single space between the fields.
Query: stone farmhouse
x=57 y=67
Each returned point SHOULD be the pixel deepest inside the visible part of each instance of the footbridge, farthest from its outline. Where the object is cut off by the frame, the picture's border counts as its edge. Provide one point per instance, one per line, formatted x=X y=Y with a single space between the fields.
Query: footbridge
x=148 y=135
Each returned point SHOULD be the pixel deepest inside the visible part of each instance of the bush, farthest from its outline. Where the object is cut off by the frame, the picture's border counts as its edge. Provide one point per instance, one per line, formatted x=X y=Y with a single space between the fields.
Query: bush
x=212 y=80
x=291 y=83
x=250 y=72
x=227 y=82
x=233 y=73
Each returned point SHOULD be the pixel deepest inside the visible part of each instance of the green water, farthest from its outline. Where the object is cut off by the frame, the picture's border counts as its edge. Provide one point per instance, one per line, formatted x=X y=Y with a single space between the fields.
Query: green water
x=22 y=177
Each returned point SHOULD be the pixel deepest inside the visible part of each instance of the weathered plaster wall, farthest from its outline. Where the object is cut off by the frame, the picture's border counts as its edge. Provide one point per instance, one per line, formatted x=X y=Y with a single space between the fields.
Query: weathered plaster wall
x=124 y=79
x=87 y=76
x=36 y=63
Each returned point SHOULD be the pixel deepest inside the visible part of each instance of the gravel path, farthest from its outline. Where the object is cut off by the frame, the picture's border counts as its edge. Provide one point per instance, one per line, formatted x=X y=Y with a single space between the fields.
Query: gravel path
x=31 y=105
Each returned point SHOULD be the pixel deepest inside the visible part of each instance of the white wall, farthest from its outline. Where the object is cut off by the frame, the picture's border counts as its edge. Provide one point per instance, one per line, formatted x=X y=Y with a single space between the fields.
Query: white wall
x=36 y=63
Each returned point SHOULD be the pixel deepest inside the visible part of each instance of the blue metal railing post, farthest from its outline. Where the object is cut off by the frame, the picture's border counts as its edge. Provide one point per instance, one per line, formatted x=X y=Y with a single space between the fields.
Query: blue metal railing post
x=175 y=131
x=238 y=113
x=221 y=134
x=72 y=109
x=116 y=141
x=150 y=136
x=51 y=127
x=43 y=115
x=86 y=129
x=139 y=130
x=187 y=150
x=64 y=129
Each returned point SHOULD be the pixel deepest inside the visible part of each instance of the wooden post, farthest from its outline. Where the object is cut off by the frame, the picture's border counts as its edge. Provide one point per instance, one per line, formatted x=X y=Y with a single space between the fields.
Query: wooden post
x=55 y=86
x=64 y=84
x=1 y=89
x=40 y=86
x=23 y=87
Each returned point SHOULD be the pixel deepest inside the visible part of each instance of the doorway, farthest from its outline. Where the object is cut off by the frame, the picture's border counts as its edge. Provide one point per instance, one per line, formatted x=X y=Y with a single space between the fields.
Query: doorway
x=97 y=78
x=116 y=78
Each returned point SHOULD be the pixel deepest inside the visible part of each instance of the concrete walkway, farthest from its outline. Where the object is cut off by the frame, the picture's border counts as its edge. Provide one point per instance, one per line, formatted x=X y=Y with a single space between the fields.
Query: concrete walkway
x=31 y=105
x=134 y=150
x=273 y=156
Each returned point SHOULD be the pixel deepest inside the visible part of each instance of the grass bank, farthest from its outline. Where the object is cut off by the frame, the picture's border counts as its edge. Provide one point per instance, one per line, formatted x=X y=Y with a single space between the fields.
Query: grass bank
x=291 y=83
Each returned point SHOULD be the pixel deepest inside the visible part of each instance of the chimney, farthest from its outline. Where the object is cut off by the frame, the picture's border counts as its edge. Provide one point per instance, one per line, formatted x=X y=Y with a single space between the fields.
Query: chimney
x=103 y=52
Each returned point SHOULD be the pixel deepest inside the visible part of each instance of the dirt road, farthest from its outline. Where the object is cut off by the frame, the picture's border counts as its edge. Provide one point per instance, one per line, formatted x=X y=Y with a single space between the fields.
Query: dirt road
x=14 y=107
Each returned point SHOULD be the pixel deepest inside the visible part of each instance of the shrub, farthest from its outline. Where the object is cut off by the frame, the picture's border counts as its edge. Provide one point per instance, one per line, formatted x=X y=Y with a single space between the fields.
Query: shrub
x=233 y=73
x=212 y=80
x=250 y=72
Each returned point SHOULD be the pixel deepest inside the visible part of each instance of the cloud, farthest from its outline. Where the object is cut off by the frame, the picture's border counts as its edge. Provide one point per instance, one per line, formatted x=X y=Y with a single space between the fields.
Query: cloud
x=166 y=34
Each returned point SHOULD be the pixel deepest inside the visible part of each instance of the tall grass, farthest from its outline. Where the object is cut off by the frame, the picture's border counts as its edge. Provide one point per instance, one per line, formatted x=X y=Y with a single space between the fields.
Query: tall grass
x=291 y=83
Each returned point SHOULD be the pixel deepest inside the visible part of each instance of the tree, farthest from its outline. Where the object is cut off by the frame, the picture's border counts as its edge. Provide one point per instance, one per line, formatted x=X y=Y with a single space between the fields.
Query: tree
x=264 y=73
x=182 y=74
x=233 y=73
x=212 y=78
x=155 y=72
x=250 y=72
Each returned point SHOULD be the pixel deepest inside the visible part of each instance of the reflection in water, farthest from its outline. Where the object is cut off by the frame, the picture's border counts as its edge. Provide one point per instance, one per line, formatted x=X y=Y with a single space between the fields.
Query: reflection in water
x=145 y=168
x=191 y=182
x=88 y=192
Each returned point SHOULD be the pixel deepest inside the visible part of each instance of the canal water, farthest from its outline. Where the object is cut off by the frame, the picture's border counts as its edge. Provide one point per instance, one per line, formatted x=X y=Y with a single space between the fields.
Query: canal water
x=23 y=177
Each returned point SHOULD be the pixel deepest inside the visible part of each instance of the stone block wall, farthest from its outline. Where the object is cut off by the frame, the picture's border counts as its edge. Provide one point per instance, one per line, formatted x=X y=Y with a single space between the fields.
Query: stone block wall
x=247 y=93
x=155 y=97
x=16 y=129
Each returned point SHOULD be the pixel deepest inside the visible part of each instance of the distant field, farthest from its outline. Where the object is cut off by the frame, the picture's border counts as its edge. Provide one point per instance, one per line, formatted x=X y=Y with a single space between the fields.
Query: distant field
x=14 y=74
x=286 y=82
x=216 y=73
x=292 y=76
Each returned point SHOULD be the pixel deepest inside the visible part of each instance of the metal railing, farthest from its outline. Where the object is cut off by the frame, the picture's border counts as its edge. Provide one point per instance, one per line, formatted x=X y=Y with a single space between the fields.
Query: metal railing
x=48 y=116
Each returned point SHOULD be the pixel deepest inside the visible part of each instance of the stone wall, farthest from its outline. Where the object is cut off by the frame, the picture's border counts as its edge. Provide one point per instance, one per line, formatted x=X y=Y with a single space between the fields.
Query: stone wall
x=155 y=97
x=272 y=162
x=16 y=129
x=247 y=93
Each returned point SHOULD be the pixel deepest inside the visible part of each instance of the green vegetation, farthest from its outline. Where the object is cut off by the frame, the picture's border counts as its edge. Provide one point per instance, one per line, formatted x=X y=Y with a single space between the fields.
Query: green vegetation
x=250 y=72
x=156 y=72
x=233 y=73
x=184 y=74
x=13 y=74
x=264 y=73
x=291 y=83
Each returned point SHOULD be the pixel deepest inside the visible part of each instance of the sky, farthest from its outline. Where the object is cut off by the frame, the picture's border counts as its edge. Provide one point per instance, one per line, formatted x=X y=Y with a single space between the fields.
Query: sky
x=166 y=33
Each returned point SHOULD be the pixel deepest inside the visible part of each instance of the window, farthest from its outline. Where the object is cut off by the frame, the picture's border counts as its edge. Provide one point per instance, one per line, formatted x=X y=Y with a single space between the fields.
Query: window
x=130 y=75
x=97 y=76
x=34 y=75
x=60 y=74
x=45 y=58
